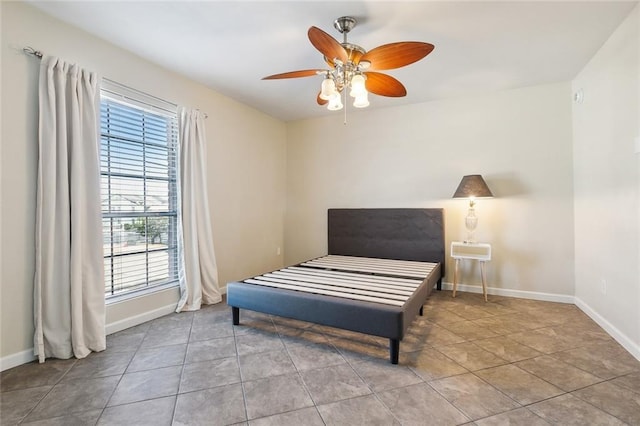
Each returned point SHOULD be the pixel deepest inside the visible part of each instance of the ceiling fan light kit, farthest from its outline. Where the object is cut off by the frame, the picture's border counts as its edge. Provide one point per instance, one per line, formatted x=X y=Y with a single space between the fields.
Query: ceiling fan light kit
x=352 y=67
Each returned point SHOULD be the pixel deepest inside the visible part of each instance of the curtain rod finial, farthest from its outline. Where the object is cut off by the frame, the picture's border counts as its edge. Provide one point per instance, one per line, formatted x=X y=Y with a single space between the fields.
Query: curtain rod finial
x=31 y=51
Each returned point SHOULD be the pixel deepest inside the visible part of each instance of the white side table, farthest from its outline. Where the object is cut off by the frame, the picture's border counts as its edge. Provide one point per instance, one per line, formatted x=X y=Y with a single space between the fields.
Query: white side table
x=473 y=251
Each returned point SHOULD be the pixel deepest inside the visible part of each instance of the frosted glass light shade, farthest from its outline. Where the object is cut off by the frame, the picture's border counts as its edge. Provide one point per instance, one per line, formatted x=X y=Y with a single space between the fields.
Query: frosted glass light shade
x=362 y=101
x=328 y=89
x=335 y=104
x=357 y=86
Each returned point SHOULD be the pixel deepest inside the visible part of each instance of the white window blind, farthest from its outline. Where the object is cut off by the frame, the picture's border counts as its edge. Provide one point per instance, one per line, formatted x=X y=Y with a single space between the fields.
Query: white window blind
x=139 y=192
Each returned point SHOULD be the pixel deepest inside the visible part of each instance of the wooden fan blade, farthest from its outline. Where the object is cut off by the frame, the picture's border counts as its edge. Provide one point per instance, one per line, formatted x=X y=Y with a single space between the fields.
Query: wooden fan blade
x=384 y=85
x=396 y=55
x=293 y=74
x=321 y=101
x=327 y=45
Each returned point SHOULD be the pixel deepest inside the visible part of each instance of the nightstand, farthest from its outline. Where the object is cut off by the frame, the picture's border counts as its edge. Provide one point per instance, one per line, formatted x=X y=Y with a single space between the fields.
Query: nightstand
x=472 y=251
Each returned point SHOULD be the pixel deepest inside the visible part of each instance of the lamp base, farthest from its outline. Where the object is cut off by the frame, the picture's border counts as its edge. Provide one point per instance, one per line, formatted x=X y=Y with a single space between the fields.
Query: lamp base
x=471 y=222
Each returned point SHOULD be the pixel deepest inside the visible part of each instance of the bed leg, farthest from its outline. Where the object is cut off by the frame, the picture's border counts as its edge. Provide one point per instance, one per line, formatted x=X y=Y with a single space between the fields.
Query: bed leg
x=439 y=285
x=235 y=313
x=394 y=350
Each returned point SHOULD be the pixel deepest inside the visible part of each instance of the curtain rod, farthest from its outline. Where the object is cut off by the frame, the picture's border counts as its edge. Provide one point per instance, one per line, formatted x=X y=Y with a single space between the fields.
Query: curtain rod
x=31 y=51
x=38 y=54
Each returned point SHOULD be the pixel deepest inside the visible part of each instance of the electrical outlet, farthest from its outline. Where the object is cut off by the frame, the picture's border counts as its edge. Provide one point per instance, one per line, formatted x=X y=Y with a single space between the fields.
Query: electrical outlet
x=277 y=251
x=603 y=286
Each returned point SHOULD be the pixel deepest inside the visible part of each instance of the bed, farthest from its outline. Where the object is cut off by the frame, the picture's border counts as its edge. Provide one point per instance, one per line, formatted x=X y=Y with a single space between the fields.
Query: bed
x=381 y=266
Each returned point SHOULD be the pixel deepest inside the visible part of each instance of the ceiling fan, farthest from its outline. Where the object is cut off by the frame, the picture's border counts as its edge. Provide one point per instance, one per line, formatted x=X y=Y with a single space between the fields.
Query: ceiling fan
x=350 y=66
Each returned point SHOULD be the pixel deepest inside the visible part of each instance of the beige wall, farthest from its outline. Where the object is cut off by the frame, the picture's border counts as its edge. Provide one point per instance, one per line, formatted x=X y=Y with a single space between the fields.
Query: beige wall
x=246 y=158
x=607 y=185
x=415 y=156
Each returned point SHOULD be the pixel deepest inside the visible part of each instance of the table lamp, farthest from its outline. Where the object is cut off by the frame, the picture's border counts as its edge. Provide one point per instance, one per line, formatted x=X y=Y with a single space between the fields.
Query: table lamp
x=472 y=187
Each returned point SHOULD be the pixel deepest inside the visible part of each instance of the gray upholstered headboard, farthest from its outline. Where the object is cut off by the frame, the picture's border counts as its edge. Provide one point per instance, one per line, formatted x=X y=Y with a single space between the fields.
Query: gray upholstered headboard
x=404 y=234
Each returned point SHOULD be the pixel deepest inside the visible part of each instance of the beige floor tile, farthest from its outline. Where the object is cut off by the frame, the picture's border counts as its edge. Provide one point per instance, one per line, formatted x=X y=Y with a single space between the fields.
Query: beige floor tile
x=221 y=405
x=74 y=396
x=435 y=335
x=420 y=404
x=469 y=330
x=615 y=400
x=154 y=412
x=15 y=405
x=431 y=364
x=605 y=360
x=330 y=384
x=558 y=373
x=471 y=312
x=507 y=349
x=157 y=357
x=365 y=410
x=519 y=385
x=311 y=356
x=382 y=375
x=571 y=411
x=35 y=374
x=143 y=385
x=207 y=350
x=519 y=416
x=474 y=397
x=544 y=340
x=275 y=395
x=305 y=416
x=79 y=418
x=501 y=325
x=355 y=351
x=265 y=364
x=101 y=364
x=471 y=356
x=442 y=316
x=208 y=374
x=629 y=381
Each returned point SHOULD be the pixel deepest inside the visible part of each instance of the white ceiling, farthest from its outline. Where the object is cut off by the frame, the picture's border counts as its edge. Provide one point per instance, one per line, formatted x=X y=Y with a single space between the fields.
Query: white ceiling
x=230 y=45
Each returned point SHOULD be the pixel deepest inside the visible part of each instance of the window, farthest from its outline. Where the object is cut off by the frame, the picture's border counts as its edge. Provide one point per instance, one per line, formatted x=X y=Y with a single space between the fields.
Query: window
x=139 y=193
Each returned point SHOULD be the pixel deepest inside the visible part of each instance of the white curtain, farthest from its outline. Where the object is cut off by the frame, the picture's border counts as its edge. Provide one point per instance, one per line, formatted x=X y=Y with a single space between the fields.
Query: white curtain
x=69 y=307
x=199 y=274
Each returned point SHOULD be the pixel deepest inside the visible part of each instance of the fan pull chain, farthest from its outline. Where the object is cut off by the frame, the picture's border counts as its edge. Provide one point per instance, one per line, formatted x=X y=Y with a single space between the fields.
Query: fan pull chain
x=345 y=106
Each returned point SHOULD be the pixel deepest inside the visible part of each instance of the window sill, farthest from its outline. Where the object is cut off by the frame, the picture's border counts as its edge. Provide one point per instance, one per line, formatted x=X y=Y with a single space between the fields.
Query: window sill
x=140 y=293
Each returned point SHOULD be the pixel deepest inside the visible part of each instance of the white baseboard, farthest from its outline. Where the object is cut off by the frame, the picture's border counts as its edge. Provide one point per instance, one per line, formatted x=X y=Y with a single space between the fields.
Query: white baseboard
x=27 y=356
x=535 y=295
x=24 y=357
x=617 y=335
x=623 y=339
x=129 y=322
x=17 y=359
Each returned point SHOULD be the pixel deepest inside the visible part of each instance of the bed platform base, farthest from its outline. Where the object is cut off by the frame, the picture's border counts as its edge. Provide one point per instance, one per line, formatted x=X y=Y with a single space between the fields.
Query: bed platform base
x=377 y=286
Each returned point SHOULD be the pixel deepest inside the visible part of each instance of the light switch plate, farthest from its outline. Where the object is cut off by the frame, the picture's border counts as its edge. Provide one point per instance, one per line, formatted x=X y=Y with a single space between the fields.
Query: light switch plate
x=637 y=145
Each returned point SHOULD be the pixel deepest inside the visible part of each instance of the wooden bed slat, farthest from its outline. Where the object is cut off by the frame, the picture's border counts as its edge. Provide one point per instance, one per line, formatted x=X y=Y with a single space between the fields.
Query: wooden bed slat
x=370 y=268
x=366 y=280
x=408 y=282
x=326 y=292
x=337 y=283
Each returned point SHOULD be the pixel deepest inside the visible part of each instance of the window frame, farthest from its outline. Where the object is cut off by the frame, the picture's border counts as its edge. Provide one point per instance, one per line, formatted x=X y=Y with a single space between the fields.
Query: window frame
x=121 y=97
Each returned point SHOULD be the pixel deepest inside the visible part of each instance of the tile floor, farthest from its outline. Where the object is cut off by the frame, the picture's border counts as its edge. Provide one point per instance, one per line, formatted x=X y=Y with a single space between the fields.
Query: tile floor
x=508 y=361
